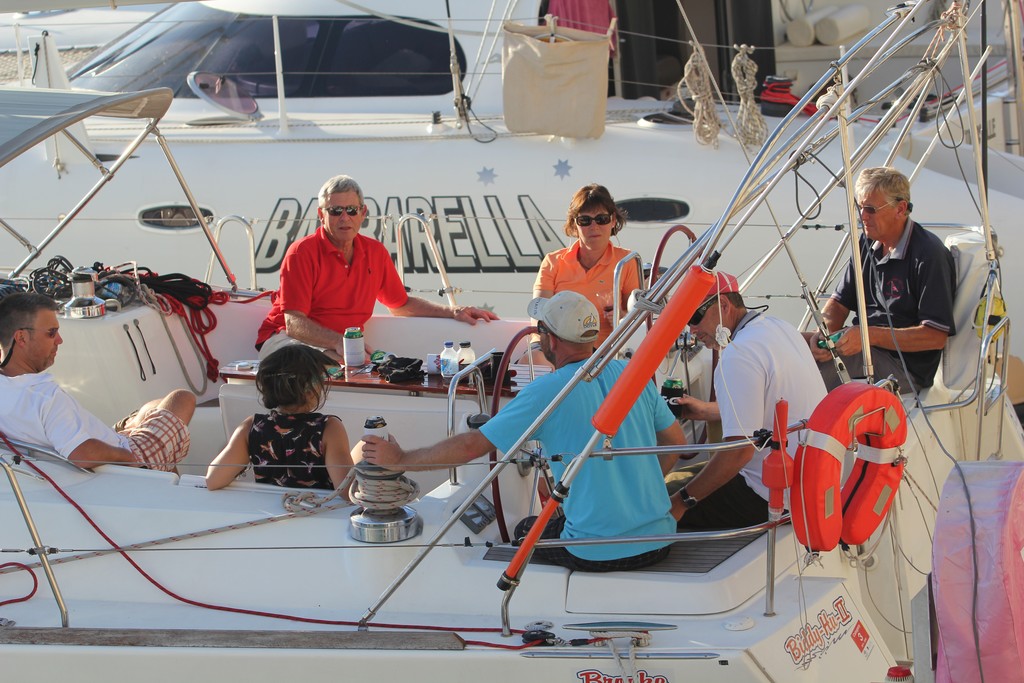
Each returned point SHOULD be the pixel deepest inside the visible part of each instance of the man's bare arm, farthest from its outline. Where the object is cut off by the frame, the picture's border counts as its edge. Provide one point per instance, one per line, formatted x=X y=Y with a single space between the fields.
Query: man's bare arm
x=93 y=453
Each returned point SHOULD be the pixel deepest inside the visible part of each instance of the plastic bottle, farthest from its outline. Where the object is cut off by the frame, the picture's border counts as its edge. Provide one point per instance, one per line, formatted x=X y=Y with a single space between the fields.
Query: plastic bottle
x=465 y=356
x=449 y=362
x=354 y=347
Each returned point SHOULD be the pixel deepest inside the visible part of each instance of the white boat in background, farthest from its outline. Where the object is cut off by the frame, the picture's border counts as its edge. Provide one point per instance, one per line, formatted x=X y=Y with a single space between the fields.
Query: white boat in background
x=150 y=575
x=493 y=195
x=76 y=32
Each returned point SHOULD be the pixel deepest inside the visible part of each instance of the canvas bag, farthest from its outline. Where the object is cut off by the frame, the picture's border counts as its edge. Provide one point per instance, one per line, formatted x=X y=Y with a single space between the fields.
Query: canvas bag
x=558 y=88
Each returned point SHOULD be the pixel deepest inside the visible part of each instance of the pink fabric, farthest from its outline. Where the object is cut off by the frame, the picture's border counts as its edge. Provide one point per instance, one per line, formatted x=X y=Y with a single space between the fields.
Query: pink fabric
x=997 y=499
x=587 y=15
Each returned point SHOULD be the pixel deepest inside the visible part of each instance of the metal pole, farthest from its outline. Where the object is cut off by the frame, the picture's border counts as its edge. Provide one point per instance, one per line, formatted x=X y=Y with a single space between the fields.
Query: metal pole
x=38 y=546
x=195 y=209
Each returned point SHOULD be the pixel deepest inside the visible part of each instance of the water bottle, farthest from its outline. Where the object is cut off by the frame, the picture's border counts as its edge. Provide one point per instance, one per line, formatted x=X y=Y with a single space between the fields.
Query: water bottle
x=465 y=356
x=355 y=350
x=449 y=362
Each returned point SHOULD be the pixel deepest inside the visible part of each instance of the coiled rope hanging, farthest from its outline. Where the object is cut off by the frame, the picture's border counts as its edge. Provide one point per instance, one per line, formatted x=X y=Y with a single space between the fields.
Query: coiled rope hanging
x=751 y=127
x=697 y=76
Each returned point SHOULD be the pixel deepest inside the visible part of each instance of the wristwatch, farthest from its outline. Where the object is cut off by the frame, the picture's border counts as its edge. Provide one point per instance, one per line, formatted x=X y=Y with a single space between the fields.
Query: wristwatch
x=689 y=501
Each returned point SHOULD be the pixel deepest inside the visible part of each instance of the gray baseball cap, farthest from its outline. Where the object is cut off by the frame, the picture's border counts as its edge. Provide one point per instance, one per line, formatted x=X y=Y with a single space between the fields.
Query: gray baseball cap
x=569 y=315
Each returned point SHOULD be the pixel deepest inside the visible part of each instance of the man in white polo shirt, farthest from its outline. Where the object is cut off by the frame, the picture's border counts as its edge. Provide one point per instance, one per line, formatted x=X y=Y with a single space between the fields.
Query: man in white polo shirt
x=35 y=409
x=762 y=360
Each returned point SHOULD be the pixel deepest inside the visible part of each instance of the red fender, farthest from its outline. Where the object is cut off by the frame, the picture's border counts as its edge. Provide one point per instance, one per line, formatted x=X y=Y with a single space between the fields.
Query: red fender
x=821 y=513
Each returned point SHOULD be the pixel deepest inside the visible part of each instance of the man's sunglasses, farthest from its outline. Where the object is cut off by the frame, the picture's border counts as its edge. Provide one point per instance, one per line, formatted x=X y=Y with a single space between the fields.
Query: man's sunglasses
x=698 y=315
x=872 y=210
x=338 y=210
x=600 y=219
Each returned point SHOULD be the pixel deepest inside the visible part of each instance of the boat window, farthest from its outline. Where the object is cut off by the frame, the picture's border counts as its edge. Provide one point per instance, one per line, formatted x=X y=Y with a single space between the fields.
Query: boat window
x=172 y=217
x=321 y=56
x=654 y=209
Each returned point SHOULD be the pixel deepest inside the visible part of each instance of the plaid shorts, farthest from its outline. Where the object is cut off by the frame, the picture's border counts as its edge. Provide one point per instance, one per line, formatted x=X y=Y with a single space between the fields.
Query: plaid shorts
x=161 y=442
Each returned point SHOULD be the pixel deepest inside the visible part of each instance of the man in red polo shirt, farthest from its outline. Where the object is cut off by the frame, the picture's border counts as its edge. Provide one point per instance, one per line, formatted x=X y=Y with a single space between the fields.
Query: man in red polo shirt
x=331 y=279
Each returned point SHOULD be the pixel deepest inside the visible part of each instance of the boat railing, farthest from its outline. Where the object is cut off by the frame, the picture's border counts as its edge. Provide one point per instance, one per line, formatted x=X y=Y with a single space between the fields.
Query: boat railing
x=247 y=226
x=999 y=337
x=617 y=283
x=470 y=371
x=38 y=548
x=424 y=222
x=679 y=537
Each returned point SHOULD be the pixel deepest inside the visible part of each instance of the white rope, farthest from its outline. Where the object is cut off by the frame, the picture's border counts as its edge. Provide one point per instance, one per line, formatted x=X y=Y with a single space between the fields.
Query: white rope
x=636 y=639
x=381 y=492
x=751 y=129
x=697 y=76
x=306 y=501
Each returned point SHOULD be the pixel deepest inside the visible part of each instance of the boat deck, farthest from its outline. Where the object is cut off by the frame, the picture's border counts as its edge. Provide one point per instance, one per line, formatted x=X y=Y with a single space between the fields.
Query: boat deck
x=683 y=557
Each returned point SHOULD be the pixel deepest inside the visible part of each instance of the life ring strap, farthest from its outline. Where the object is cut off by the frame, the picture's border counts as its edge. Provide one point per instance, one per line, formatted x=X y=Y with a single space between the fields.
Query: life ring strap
x=881 y=456
x=826 y=443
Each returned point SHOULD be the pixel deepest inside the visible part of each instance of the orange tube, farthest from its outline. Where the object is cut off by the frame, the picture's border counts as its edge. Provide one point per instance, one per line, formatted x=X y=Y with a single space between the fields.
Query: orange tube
x=777 y=467
x=641 y=367
x=515 y=565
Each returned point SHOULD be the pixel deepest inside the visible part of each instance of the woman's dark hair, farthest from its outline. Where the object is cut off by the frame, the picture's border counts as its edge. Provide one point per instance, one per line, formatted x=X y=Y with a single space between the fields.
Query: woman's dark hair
x=590 y=197
x=287 y=376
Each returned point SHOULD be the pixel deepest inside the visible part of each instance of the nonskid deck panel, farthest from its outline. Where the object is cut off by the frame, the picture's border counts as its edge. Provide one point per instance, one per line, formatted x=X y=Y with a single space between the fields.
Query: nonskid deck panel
x=683 y=558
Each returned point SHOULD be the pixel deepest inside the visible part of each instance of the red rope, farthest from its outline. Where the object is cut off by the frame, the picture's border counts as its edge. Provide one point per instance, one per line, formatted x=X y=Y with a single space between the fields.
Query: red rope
x=35 y=581
x=200 y=322
x=250 y=299
x=224 y=608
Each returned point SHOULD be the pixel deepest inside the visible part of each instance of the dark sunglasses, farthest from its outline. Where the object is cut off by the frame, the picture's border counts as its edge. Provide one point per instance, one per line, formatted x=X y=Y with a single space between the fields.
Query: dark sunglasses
x=600 y=219
x=542 y=328
x=698 y=315
x=872 y=210
x=338 y=210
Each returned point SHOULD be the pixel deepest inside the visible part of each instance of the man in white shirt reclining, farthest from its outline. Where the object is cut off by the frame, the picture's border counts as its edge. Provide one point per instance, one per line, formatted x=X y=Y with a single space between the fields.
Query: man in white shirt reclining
x=35 y=409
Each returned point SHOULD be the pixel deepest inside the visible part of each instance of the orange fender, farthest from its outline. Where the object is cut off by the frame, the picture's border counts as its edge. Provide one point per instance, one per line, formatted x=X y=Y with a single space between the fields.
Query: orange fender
x=822 y=513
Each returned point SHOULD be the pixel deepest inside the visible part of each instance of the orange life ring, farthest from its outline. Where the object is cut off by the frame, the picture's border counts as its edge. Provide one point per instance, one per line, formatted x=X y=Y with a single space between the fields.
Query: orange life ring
x=822 y=514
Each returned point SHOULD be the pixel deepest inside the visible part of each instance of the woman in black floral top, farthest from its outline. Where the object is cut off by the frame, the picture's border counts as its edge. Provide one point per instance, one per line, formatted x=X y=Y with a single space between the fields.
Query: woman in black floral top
x=293 y=445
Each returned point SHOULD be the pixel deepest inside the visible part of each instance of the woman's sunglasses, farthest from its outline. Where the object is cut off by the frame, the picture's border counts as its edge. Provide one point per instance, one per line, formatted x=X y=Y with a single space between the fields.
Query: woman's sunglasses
x=338 y=210
x=600 y=219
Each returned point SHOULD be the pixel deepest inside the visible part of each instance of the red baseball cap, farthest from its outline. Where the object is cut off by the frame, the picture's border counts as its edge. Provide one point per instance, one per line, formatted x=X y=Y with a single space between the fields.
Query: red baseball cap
x=724 y=282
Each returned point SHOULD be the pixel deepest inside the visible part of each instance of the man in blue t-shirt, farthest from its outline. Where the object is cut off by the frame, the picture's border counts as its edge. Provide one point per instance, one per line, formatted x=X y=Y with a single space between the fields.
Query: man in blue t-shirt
x=909 y=283
x=623 y=496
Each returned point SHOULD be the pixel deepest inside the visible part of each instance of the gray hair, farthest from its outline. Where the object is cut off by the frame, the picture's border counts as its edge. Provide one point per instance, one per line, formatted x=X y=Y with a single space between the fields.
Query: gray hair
x=18 y=311
x=891 y=182
x=339 y=183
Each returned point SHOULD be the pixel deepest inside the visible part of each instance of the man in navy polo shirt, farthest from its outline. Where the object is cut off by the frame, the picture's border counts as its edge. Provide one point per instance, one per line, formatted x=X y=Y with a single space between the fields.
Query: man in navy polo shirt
x=909 y=282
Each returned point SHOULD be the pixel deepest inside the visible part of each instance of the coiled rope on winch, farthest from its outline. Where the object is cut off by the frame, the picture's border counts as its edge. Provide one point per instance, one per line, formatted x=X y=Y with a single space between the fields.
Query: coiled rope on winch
x=369 y=486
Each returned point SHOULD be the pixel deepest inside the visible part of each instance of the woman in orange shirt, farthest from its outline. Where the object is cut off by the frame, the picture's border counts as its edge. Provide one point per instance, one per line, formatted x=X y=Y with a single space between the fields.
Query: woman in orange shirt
x=588 y=265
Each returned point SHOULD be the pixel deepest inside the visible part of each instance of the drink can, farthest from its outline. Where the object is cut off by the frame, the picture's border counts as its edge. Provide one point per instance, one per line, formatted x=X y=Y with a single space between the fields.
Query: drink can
x=673 y=388
x=377 y=426
x=355 y=350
